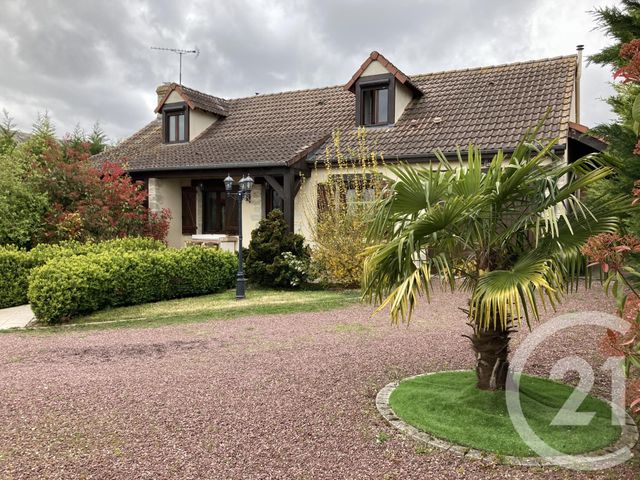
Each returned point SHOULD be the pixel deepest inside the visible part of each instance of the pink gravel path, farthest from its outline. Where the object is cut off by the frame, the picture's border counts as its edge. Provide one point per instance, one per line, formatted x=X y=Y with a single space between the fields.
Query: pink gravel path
x=287 y=396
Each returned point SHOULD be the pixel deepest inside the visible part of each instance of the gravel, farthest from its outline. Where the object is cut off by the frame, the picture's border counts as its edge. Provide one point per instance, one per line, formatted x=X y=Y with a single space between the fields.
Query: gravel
x=289 y=396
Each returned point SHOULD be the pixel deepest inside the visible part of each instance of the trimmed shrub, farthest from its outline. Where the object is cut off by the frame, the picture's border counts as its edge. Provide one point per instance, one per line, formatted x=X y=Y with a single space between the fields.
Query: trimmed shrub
x=277 y=257
x=66 y=287
x=43 y=252
x=16 y=264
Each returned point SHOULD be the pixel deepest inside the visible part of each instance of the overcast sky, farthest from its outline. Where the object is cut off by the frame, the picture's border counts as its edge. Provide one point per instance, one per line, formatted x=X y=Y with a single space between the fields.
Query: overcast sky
x=88 y=60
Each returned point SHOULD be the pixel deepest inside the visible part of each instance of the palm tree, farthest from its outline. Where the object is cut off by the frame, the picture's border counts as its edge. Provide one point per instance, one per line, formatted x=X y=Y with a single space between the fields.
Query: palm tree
x=508 y=232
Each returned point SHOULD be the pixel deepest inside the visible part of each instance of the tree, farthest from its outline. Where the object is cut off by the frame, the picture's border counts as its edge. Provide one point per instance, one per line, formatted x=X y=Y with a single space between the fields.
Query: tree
x=508 y=232
x=97 y=139
x=21 y=206
x=614 y=253
x=51 y=191
x=8 y=132
x=622 y=24
x=91 y=203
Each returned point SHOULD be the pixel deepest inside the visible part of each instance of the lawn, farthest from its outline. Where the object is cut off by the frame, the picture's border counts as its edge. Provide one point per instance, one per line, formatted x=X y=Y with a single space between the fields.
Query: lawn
x=449 y=406
x=219 y=306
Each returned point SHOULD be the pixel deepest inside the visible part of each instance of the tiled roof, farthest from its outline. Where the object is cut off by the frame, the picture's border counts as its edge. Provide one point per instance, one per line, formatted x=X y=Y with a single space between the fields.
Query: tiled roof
x=490 y=107
x=196 y=99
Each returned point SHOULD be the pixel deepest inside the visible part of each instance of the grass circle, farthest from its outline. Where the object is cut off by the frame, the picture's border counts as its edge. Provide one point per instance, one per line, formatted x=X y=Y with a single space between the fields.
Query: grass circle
x=448 y=405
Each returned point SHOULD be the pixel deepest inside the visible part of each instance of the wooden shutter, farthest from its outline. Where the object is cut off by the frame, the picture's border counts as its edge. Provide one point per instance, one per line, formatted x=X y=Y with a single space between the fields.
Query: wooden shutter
x=323 y=198
x=189 y=224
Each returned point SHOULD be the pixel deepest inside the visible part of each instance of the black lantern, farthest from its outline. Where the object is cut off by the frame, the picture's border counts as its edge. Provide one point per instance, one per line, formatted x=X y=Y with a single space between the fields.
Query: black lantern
x=228 y=183
x=246 y=183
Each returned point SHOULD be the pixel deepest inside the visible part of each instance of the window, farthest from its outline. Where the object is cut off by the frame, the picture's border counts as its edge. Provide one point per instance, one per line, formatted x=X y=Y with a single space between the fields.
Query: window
x=375 y=100
x=220 y=211
x=176 y=124
x=176 y=127
x=352 y=191
x=375 y=106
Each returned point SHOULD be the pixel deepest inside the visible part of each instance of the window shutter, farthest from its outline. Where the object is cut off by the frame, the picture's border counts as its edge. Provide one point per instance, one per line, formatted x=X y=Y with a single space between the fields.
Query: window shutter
x=189 y=225
x=323 y=198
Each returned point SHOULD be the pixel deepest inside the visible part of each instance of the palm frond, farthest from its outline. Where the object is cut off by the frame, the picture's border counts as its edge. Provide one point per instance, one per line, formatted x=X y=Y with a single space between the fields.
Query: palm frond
x=503 y=297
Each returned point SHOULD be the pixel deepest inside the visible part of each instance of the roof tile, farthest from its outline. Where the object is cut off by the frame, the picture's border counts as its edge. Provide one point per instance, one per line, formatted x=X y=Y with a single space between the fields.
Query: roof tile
x=488 y=106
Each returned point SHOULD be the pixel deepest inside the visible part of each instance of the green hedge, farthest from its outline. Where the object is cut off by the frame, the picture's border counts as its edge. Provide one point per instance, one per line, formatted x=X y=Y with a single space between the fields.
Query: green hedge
x=16 y=264
x=66 y=287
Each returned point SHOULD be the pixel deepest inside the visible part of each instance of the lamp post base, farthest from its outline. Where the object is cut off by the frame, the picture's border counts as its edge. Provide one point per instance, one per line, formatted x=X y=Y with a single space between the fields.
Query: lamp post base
x=240 y=281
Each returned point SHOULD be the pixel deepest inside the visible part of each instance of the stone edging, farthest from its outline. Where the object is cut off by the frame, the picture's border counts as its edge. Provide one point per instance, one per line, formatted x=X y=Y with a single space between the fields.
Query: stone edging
x=628 y=437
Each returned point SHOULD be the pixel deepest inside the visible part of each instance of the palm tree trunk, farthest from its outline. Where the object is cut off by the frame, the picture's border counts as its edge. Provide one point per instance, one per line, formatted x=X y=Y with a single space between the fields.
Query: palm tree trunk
x=491 y=347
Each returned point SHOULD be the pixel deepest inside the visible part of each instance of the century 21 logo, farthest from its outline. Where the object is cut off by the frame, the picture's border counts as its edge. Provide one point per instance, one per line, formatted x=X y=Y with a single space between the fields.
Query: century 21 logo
x=569 y=414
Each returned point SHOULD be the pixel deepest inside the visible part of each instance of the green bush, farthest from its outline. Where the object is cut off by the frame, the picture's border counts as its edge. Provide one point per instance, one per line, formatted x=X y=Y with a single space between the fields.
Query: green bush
x=277 y=257
x=44 y=252
x=66 y=287
x=16 y=264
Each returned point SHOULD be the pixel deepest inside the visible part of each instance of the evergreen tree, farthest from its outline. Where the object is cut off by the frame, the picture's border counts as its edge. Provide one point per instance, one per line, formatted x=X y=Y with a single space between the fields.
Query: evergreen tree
x=8 y=132
x=97 y=139
x=276 y=257
x=622 y=24
x=43 y=128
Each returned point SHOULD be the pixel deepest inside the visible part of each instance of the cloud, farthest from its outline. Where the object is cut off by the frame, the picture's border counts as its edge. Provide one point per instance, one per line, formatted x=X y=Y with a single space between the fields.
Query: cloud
x=87 y=60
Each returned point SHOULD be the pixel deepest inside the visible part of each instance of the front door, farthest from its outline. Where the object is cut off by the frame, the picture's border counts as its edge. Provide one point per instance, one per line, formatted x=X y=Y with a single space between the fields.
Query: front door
x=220 y=211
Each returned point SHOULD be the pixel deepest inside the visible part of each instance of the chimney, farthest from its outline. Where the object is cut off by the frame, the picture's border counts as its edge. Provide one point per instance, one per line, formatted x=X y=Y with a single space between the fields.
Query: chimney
x=161 y=91
x=579 y=48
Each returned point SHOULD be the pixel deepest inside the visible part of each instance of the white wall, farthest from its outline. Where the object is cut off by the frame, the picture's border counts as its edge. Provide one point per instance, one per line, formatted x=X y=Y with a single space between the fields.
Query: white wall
x=167 y=193
x=251 y=214
x=374 y=68
x=306 y=202
x=199 y=121
x=403 y=98
x=174 y=97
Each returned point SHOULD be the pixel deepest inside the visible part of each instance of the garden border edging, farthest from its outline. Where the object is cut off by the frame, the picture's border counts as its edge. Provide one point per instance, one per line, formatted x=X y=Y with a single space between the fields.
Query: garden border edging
x=628 y=436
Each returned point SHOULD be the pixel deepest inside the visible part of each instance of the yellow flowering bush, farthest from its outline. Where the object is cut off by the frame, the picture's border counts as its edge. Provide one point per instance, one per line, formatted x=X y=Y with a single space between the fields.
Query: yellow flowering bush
x=345 y=200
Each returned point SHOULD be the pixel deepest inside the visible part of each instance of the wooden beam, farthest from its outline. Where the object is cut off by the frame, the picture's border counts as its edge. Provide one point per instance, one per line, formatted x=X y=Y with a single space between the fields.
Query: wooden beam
x=289 y=197
x=275 y=185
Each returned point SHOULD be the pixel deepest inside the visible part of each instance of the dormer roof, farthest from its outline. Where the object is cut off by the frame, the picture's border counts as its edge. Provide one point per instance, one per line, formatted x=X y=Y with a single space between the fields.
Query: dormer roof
x=391 y=68
x=196 y=99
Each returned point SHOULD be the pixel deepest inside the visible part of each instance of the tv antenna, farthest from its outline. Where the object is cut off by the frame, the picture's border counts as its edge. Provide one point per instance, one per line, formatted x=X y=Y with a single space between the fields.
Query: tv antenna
x=180 y=52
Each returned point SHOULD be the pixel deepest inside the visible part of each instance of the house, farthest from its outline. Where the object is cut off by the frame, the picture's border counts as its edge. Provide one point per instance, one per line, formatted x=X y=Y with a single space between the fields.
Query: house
x=198 y=139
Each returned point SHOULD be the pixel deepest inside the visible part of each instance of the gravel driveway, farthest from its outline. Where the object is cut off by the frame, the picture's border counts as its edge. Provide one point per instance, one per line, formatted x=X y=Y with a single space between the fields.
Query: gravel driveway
x=262 y=397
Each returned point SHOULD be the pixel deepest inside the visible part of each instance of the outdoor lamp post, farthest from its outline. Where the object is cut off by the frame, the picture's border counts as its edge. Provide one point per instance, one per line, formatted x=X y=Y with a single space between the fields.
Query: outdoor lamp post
x=246 y=184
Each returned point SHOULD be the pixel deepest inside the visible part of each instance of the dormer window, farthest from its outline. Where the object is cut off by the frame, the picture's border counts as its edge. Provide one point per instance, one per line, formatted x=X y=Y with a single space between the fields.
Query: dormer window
x=177 y=130
x=375 y=105
x=382 y=92
x=176 y=123
x=187 y=113
x=375 y=100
